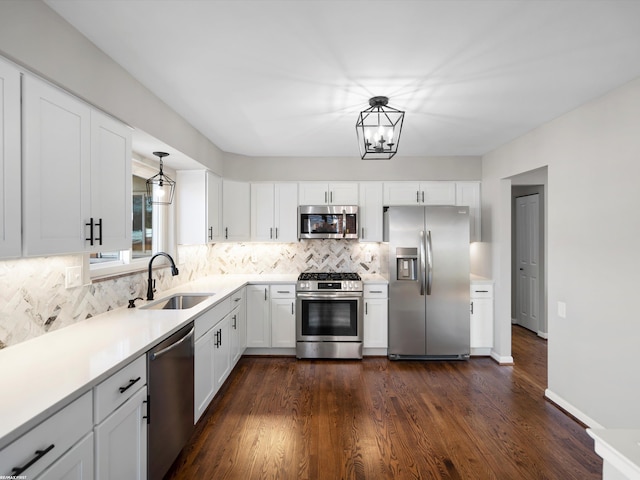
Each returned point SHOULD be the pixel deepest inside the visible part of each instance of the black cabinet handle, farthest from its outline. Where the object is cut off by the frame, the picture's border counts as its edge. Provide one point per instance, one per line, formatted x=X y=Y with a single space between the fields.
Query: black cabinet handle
x=90 y=225
x=226 y=232
x=132 y=382
x=235 y=322
x=471 y=308
x=210 y=233
x=39 y=454
x=99 y=239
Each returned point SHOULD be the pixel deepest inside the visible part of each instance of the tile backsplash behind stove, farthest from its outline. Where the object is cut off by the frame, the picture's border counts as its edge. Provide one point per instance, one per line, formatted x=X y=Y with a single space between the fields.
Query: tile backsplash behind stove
x=33 y=299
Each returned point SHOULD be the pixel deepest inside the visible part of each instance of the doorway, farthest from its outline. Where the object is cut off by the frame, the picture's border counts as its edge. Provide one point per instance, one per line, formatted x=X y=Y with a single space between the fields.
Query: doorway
x=528 y=289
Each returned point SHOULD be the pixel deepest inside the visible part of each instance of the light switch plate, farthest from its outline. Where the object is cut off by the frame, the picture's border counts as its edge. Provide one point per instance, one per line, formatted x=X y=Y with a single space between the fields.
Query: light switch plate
x=562 y=310
x=73 y=277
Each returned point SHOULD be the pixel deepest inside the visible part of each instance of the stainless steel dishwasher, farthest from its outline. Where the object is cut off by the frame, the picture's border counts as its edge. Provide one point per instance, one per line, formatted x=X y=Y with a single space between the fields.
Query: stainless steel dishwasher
x=170 y=410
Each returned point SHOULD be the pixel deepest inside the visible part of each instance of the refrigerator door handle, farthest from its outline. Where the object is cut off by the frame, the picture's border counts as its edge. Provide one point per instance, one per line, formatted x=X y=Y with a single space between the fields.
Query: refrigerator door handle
x=429 y=249
x=421 y=261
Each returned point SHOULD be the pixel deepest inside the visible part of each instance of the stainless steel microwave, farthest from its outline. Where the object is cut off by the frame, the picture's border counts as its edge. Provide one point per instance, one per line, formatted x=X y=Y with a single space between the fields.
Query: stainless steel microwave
x=327 y=221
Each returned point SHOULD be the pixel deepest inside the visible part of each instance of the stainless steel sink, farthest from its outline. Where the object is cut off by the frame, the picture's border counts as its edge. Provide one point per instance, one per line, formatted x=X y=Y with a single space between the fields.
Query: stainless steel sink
x=181 y=301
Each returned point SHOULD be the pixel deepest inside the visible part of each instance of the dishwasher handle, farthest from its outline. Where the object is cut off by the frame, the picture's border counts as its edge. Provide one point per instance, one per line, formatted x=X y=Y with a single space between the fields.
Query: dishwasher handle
x=154 y=355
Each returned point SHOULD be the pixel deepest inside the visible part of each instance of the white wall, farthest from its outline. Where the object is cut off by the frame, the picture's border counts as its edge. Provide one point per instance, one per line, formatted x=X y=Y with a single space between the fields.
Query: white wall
x=593 y=158
x=37 y=38
x=351 y=168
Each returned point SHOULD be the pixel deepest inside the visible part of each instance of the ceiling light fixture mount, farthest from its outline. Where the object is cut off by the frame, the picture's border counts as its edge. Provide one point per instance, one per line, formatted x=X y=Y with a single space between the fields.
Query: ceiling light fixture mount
x=378 y=128
x=160 y=188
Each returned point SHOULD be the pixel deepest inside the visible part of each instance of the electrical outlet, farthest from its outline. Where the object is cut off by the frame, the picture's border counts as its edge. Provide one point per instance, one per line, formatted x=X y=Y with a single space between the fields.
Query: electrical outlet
x=562 y=310
x=367 y=257
x=73 y=277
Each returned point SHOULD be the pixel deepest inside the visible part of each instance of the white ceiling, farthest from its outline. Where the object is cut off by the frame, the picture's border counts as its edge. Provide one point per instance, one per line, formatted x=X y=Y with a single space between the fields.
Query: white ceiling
x=289 y=77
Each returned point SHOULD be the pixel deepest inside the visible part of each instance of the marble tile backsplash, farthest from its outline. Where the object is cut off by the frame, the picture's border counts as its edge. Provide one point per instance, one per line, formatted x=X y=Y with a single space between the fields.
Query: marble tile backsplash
x=34 y=300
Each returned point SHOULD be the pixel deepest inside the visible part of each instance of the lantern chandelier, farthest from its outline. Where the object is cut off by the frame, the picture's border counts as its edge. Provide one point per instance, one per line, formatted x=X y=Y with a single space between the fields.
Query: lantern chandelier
x=160 y=188
x=378 y=128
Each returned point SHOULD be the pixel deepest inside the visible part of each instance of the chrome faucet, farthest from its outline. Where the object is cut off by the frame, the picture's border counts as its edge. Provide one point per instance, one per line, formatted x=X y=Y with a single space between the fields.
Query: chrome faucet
x=151 y=283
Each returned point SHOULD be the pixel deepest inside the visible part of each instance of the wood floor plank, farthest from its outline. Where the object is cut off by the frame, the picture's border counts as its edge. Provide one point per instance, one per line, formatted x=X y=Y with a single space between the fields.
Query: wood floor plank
x=282 y=418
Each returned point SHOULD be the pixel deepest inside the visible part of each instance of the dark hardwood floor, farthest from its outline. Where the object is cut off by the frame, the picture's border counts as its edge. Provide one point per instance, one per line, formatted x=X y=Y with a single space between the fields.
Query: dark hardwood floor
x=281 y=418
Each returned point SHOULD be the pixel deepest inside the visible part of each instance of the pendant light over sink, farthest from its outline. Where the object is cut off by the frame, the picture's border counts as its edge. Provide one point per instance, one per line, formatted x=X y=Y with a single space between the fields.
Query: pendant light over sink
x=160 y=188
x=378 y=128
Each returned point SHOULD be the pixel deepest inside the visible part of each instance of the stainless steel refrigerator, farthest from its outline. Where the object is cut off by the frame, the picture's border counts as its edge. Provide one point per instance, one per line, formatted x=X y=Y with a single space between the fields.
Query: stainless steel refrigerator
x=428 y=282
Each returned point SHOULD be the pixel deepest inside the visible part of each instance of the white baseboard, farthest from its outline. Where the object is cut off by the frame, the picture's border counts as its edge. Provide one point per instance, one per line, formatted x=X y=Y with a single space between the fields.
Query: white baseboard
x=544 y=335
x=580 y=415
x=480 y=351
x=502 y=359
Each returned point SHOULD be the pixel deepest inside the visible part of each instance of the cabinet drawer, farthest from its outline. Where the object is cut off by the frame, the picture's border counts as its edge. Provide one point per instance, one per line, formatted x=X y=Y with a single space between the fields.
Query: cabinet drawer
x=283 y=291
x=119 y=387
x=237 y=298
x=48 y=441
x=481 y=291
x=209 y=318
x=375 y=291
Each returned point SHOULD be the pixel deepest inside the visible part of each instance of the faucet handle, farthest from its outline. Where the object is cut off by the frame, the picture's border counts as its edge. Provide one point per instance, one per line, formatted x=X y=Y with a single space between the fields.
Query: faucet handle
x=132 y=303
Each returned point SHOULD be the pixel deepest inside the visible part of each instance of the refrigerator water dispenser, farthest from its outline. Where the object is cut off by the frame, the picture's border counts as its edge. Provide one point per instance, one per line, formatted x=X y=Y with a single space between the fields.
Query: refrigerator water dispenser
x=407 y=263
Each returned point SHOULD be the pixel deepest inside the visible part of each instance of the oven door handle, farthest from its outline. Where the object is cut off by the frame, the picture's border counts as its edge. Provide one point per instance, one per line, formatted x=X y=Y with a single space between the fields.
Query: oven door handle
x=330 y=296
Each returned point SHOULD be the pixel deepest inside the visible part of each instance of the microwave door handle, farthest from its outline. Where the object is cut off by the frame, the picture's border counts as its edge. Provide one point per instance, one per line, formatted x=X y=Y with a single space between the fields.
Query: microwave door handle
x=421 y=263
x=429 y=263
x=344 y=223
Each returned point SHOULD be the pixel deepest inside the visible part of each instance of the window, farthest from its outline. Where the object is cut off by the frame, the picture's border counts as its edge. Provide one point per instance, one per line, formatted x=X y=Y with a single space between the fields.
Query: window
x=149 y=230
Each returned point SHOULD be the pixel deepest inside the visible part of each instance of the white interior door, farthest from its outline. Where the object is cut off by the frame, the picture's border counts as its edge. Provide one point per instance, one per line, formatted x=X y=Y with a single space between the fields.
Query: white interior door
x=528 y=261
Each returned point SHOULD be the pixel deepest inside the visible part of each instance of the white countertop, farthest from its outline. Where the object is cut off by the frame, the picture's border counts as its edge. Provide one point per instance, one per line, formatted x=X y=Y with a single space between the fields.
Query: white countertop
x=620 y=448
x=42 y=375
x=478 y=280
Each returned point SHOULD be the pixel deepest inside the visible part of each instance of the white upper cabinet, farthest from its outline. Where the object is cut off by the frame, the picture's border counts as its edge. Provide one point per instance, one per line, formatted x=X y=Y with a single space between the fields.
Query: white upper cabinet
x=56 y=170
x=370 y=211
x=321 y=193
x=111 y=180
x=10 y=222
x=199 y=207
x=274 y=212
x=419 y=193
x=468 y=194
x=68 y=152
x=236 y=211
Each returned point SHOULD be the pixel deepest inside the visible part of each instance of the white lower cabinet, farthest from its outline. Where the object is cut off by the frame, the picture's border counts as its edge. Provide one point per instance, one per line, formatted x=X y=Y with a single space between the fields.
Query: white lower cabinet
x=271 y=316
x=375 y=316
x=220 y=342
x=43 y=445
x=283 y=316
x=120 y=415
x=121 y=441
x=76 y=464
x=258 y=317
x=481 y=340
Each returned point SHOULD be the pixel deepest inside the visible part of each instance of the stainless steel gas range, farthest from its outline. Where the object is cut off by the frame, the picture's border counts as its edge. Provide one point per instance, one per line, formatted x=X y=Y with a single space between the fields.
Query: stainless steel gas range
x=329 y=315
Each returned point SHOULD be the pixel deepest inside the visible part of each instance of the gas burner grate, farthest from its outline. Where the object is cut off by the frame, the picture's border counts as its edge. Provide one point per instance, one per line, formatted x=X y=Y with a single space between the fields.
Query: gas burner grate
x=323 y=276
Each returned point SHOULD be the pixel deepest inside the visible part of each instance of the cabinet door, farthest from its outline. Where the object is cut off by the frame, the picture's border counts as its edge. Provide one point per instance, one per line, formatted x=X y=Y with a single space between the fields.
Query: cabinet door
x=283 y=323
x=10 y=222
x=221 y=352
x=121 y=441
x=203 y=375
x=236 y=210
x=76 y=464
x=56 y=170
x=285 y=206
x=401 y=193
x=343 y=193
x=111 y=182
x=370 y=212
x=438 y=193
x=214 y=207
x=468 y=194
x=262 y=212
x=313 y=193
x=375 y=323
x=258 y=321
x=481 y=323
x=191 y=207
